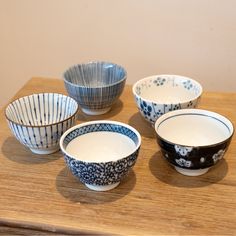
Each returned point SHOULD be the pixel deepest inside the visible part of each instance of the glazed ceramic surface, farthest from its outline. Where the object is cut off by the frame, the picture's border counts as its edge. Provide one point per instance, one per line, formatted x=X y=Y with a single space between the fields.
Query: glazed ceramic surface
x=193 y=140
x=157 y=95
x=39 y=120
x=95 y=86
x=100 y=153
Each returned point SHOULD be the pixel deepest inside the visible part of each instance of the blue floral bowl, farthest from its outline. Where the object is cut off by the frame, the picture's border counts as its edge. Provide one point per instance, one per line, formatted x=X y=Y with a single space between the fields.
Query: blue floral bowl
x=96 y=86
x=159 y=94
x=39 y=120
x=193 y=140
x=100 y=153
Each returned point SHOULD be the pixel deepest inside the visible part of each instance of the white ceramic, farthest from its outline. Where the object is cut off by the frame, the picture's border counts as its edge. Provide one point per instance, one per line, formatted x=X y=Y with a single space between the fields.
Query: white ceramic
x=39 y=120
x=100 y=153
x=159 y=94
x=193 y=140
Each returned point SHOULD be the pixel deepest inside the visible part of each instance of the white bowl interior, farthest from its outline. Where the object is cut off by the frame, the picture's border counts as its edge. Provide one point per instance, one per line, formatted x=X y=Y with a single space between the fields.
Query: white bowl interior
x=168 y=89
x=41 y=109
x=194 y=127
x=100 y=147
x=100 y=141
x=95 y=74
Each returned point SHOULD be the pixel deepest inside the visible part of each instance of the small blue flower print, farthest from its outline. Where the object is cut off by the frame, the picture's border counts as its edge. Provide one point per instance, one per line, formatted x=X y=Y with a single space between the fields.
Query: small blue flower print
x=159 y=81
x=188 y=84
x=159 y=113
x=190 y=104
x=175 y=107
x=147 y=109
x=138 y=90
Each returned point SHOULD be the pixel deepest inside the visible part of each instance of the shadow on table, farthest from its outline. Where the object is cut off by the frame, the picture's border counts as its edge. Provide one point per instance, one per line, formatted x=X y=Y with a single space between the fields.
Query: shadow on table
x=115 y=109
x=71 y=188
x=15 y=151
x=163 y=171
x=144 y=128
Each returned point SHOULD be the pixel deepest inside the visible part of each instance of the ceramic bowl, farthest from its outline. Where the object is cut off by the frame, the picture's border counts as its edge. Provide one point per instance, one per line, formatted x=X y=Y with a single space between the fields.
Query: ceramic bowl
x=193 y=140
x=96 y=86
x=100 y=153
x=159 y=94
x=39 y=120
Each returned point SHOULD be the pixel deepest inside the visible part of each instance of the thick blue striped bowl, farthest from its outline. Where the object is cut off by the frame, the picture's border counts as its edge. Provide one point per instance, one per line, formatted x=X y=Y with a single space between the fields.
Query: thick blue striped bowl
x=96 y=86
x=39 y=120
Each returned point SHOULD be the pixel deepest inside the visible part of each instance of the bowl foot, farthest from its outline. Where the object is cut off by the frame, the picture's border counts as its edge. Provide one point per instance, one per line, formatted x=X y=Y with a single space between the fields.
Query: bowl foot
x=191 y=172
x=102 y=187
x=44 y=151
x=94 y=112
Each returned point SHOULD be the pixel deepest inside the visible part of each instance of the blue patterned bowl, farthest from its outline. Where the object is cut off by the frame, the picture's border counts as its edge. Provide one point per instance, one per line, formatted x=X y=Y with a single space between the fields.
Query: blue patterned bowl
x=193 y=140
x=39 y=120
x=100 y=153
x=96 y=86
x=159 y=94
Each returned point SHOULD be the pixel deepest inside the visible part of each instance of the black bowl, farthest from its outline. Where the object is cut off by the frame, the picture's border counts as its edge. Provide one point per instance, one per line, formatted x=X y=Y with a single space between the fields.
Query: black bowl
x=193 y=140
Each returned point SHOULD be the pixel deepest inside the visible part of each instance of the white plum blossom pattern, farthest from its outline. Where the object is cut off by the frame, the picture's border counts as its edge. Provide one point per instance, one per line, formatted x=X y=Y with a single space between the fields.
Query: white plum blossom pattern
x=183 y=162
x=202 y=159
x=183 y=151
x=218 y=156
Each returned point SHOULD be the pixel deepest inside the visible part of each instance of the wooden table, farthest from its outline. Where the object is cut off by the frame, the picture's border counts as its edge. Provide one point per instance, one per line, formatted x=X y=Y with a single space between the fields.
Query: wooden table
x=39 y=195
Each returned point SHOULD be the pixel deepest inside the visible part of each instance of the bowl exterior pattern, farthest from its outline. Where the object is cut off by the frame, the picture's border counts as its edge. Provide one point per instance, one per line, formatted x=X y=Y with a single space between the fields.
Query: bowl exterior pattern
x=95 y=85
x=193 y=157
x=29 y=119
x=95 y=98
x=151 y=111
x=103 y=173
x=41 y=137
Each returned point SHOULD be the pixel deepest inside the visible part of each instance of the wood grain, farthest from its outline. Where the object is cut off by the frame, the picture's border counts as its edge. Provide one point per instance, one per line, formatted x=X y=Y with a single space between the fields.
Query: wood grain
x=39 y=193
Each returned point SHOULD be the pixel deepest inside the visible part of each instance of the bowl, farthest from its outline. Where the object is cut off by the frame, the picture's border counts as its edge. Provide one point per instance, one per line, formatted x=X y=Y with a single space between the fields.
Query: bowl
x=39 y=120
x=100 y=153
x=193 y=140
x=96 y=86
x=159 y=94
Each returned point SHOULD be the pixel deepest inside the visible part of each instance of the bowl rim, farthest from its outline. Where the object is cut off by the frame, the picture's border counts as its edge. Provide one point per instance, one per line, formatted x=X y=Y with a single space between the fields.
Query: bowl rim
x=99 y=122
x=38 y=126
x=95 y=62
x=193 y=111
x=168 y=75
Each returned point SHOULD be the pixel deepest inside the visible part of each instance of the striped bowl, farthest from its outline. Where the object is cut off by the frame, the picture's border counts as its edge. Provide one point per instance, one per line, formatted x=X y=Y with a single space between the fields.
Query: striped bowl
x=39 y=120
x=96 y=86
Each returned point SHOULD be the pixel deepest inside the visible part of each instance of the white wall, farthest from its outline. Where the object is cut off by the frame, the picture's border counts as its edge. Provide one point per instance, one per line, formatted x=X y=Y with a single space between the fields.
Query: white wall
x=196 y=38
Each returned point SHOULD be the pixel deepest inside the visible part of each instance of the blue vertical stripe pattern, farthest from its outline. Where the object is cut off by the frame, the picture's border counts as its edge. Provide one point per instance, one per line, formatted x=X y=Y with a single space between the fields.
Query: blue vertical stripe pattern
x=95 y=85
x=39 y=120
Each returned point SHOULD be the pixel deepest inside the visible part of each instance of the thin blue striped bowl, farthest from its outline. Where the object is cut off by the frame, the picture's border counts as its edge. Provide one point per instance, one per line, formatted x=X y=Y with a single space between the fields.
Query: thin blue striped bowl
x=39 y=120
x=96 y=86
